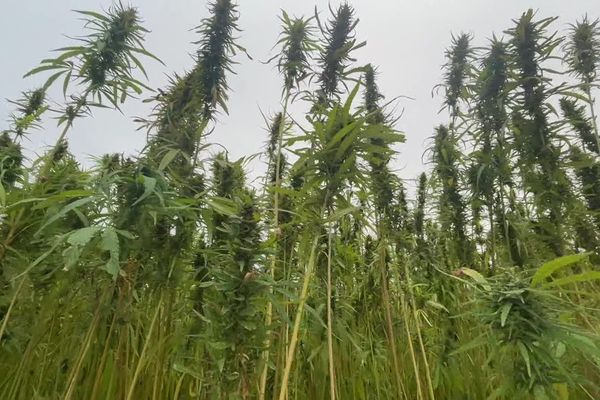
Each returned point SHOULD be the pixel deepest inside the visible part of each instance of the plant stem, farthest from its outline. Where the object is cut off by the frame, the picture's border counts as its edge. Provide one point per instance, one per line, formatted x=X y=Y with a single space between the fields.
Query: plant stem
x=411 y=348
x=269 y=317
x=388 y=311
x=330 y=317
x=418 y=329
x=298 y=319
x=140 y=362
x=10 y=307
x=83 y=353
x=591 y=101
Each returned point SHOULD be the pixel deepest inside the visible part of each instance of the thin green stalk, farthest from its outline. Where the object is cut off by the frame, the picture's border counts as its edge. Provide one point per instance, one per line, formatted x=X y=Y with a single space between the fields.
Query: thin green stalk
x=591 y=102
x=10 y=236
x=411 y=349
x=330 y=318
x=298 y=319
x=418 y=329
x=388 y=314
x=103 y=358
x=269 y=317
x=141 y=360
x=10 y=307
x=87 y=342
x=492 y=235
x=390 y=328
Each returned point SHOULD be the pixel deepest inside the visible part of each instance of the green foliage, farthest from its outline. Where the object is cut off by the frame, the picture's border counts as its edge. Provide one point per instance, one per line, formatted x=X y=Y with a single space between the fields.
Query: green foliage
x=297 y=43
x=104 y=61
x=529 y=338
x=583 y=49
x=337 y=45
x=457 y=71
x=11 y=160
x=171 y=274
x=217 y=46
x=451 y=204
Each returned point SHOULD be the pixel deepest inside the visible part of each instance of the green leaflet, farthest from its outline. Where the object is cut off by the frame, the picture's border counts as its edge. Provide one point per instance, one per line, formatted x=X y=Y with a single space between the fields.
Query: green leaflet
x=555 y=265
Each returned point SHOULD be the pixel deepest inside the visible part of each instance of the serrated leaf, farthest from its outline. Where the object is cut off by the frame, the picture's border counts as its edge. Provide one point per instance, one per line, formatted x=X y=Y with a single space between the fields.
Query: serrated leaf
x=583 y=344
x=223 y=206
x=149 y=186
x=66 y=82
x=52 y=78
x=110 y=240
x=578 y=96
x=112 y=267
x=68 y=194
x=43 y=68
x=504 y=313
x=553 y=266
x=71 y=256
x=583 y=277
x=166 y=160
x=40 y=258
x=82 y=236
x=437 y=305
x=93 y=15
x=64 y=211
x=340 y=213
x=478 y=341
x=525 y=354
x=339 y=135
x=477 y=277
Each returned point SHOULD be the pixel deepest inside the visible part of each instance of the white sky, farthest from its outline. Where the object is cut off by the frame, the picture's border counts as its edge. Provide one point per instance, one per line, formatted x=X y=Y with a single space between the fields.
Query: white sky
x=405 y=39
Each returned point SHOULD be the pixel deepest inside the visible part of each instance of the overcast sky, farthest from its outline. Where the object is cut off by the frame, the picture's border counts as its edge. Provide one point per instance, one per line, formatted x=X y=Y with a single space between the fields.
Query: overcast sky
x=405 y=39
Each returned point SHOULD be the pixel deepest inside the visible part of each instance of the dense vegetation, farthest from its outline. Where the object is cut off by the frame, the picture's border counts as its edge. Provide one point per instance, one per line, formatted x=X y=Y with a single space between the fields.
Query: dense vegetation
x=167 y=276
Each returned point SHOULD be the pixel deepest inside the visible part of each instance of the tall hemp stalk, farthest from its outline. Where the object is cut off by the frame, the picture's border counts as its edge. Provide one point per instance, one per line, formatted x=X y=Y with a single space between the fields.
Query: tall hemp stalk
x=530 y=47
x=383 y=193
x=458 y=70
x=293 y=62
x=490 y=173
x=337 y=44
x=582 y=54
